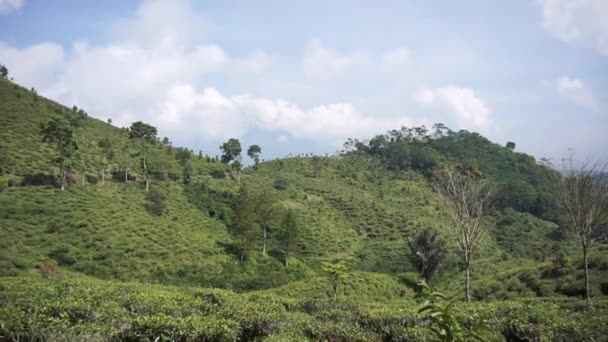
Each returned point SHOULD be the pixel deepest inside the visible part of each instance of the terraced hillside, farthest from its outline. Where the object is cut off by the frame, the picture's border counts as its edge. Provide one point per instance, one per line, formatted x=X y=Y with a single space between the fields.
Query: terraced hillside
x=360 y=207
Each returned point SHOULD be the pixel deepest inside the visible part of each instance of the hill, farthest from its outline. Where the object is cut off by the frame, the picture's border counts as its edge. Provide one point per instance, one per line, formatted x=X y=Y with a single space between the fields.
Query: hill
x=361 y=207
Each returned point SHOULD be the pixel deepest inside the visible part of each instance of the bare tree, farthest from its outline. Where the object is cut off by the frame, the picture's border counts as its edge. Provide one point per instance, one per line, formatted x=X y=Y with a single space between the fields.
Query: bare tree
x=466 y=198
x=581 y=193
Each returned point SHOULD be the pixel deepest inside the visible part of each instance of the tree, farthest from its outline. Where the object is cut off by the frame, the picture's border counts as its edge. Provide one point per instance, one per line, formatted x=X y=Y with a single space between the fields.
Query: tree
x=231 y=150
x=337 y=273
x=183 y=155
x=123 y=160
x=232 y=153
x=105 y=145
x=265 y=209
x=59 y=133
x=466 y=198
x=427 y=252
x=581 y=193
x=243 y=226
x=317 y=164
x=188 y=172
x=289 y=234
x=3 y=71
x=254 y=152
x=145 y=135
x=511 y=145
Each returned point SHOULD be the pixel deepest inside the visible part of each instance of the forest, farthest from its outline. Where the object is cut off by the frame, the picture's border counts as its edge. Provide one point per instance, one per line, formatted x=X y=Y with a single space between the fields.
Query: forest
x=416 y=234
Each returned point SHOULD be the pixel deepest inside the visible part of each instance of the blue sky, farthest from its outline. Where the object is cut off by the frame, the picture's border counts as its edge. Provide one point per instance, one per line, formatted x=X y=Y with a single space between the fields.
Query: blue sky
x=299 y=77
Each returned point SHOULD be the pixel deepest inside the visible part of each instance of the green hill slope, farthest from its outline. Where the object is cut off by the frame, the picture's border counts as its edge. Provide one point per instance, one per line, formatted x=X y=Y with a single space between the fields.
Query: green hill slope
x=360 y=207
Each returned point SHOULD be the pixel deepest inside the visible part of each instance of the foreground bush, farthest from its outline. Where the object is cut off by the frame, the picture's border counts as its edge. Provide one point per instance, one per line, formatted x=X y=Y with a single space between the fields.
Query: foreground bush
x=73 y=308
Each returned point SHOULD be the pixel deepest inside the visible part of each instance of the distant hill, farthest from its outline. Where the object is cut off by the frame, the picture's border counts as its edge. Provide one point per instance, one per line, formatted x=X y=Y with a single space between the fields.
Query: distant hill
x=360 y=207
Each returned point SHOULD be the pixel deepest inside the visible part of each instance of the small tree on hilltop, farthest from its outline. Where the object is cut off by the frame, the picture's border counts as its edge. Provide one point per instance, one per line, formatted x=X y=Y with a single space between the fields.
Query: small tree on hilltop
x=231 y=152
x=59 y=133
x=3 y=71
x=254 y=152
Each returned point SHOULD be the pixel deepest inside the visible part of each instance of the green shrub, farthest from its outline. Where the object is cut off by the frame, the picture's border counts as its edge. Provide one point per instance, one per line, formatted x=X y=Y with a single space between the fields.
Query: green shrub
x=155 y=202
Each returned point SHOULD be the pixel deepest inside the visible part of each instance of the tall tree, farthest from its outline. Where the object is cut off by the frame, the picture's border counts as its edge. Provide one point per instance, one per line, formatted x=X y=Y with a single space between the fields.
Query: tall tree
x=317 y=164
x=466 y=197
x=188 y=171
x=105 y=145
x=254 y=152
x=145 y=135
x=289 y=234
x=59 y=133
x=243 y=226
x=427 y=252
x=581 y=193
x=266 y=208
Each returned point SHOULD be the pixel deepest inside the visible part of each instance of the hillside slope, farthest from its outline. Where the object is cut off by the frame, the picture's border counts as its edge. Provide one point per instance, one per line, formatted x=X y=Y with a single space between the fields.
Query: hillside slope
x=357 y=207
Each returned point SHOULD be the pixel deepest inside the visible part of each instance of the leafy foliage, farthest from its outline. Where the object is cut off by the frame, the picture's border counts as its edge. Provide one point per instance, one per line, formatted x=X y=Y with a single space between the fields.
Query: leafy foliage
x=427 y=252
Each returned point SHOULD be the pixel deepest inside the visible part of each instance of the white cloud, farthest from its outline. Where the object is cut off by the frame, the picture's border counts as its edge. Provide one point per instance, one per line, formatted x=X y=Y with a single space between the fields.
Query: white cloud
x=161 y=23
x=282 y=138
x=218 y=117
x=395 y=60
x=139 y=78
x=580 y=21
x=35 y=65
x=321 y=63
x=8 y=6
x=574 y=90
x=469 y=110
x=255 y=63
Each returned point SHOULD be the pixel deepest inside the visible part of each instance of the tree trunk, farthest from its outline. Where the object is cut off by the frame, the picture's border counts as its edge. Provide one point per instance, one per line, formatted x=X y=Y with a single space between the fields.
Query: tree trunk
x=103 y=177
x=467 y=284
x=286 y=259
x=62 y=176
x=146 y=175
x=126 y=175
x=587 y=294
x=83 y=179
x=264 y=242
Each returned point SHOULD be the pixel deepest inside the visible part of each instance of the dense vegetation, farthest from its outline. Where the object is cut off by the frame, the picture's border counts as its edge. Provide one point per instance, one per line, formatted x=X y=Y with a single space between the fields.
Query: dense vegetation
x=300 y=248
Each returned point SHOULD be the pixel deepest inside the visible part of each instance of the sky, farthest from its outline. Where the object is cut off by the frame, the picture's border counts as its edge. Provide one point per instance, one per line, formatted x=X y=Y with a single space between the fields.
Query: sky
x=302 y=76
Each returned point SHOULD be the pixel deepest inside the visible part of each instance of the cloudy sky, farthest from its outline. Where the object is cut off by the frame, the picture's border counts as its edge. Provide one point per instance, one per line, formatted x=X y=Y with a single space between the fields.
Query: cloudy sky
x=302 y=76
